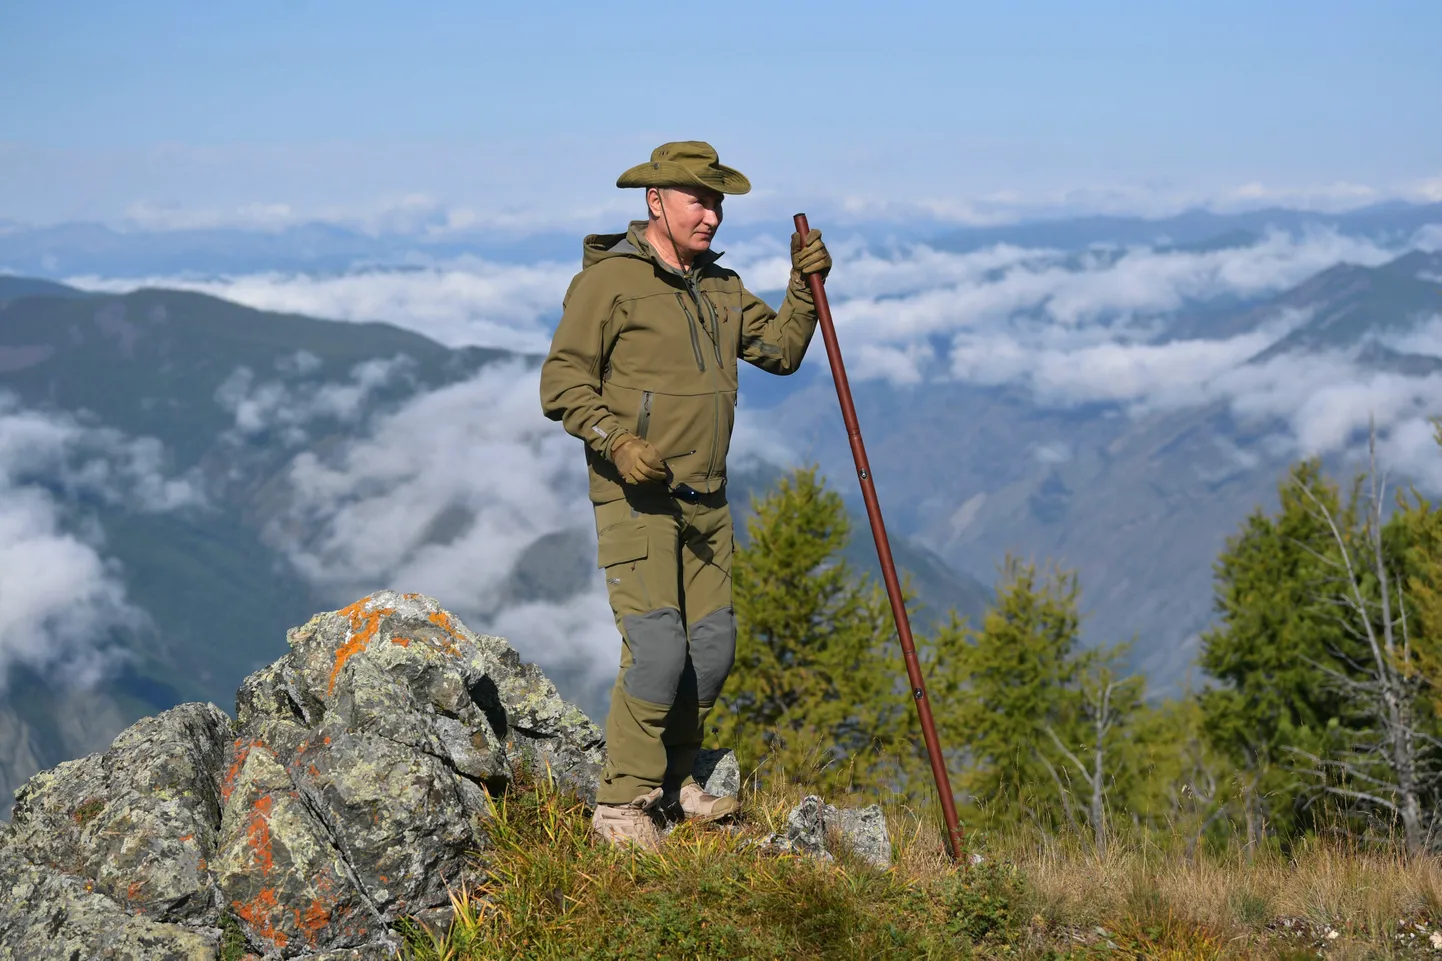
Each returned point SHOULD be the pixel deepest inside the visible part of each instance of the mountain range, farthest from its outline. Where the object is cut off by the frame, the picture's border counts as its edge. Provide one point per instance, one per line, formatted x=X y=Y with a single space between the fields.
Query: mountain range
x=218 y=473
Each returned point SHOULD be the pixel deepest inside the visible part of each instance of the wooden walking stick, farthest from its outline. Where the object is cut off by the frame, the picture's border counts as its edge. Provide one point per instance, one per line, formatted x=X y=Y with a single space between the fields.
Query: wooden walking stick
x=883 y=552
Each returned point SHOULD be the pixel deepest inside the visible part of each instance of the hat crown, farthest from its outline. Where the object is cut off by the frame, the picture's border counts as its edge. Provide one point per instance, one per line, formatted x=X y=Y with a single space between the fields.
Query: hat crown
x=686 y=163
x=689 y=152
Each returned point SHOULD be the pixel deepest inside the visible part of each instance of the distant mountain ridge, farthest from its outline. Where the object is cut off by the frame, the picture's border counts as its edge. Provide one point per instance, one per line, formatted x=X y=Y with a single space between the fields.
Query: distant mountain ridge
x=74 y=249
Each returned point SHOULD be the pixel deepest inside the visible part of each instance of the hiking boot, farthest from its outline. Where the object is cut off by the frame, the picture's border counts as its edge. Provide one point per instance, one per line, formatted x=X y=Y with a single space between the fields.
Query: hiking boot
x=700 y=806
x=632 y=823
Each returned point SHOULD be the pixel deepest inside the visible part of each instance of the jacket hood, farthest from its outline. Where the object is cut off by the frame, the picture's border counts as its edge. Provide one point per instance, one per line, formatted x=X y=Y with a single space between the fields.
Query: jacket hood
x=632 y=243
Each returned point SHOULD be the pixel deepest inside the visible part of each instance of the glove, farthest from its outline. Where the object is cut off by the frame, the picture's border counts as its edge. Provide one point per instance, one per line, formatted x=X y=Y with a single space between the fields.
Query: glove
x=810 y=256
x=637 y=461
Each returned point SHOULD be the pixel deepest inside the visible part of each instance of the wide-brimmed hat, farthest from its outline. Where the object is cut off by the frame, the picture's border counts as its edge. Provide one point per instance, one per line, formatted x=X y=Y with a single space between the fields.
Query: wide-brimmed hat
x=686 y=163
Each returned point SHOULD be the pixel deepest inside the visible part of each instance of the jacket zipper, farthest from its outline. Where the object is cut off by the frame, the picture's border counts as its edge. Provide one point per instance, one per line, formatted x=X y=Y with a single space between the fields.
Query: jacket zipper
x=703 y=303
x=715 y=328
x=701 y=365
x=715 y=386
x=695 y=341
x=643 y=419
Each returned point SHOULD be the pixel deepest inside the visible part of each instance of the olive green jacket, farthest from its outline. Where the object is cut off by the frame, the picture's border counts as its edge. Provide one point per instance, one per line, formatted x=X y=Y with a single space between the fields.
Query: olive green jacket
x=642 y=349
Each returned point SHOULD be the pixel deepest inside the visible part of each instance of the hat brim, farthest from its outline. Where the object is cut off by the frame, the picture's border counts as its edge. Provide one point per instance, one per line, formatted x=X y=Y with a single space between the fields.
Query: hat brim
x=668 y=173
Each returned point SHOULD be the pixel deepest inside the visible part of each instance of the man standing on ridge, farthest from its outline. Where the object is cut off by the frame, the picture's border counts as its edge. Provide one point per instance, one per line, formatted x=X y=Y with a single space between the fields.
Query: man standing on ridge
x=643 y=370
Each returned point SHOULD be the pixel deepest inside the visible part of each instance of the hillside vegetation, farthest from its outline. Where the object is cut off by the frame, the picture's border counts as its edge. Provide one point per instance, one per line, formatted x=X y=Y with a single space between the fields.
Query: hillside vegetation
x=555 y=893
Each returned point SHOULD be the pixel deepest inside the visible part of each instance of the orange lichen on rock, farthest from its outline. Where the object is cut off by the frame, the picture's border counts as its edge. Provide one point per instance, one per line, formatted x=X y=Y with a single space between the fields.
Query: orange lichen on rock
x=257 y=834
x=401 y=641
x=313 y=920
x=259 y=913
x=132 y=892
x=443 y=620
x=363 y=627
x=242 y=751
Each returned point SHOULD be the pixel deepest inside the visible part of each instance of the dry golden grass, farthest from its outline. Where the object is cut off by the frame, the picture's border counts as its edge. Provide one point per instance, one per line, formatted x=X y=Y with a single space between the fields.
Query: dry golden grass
x=554 y=892
x=1349 y=899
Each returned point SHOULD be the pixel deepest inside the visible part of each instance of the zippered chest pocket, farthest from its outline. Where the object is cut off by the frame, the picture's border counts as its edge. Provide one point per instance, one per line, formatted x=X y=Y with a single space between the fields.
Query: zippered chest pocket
x=643 y=416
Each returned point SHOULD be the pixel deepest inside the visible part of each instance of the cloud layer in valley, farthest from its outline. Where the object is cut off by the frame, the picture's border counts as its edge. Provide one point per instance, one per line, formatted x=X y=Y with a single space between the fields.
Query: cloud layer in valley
x=61 y=596
x=464 y=302
x=1069 y=327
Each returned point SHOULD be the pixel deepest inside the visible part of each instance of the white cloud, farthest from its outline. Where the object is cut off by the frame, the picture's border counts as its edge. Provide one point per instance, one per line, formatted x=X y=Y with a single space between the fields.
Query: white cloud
x=467 y=302
x=1423 y=338
x=1429 y=238
x=1326 y=399
x=60 y=596
x=1428 y=191
x=921 y=291
x=286 y=405
x=1057 y=452
x=1410 y=450
x=1336 y=196
x=1172 y=374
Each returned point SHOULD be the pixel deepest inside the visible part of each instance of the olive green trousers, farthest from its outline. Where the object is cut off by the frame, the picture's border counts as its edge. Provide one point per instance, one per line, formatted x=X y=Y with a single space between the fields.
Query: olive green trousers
x=668 y=575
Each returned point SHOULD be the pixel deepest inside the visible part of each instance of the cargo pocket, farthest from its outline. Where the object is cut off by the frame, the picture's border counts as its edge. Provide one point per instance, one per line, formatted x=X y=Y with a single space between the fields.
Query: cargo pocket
x=620 y=550
x=621 y=543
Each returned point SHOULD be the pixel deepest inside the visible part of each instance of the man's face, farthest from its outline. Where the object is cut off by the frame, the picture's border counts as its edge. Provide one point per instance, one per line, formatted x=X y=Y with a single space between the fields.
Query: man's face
x=691 y=213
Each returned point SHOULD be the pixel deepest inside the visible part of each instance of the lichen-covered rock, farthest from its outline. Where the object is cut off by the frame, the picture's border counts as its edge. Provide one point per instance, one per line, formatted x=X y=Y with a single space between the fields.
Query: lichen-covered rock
x=45 y=913
x=384 y=729
x=805 y=830
x=863 y=830
x=431 y=663
x=278 y=869
x=811 y=823
x=137 y=821
x=718 y=772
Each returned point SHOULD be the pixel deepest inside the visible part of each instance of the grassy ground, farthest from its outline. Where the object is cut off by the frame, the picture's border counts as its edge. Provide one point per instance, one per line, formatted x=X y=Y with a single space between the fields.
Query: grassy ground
x=709 y=893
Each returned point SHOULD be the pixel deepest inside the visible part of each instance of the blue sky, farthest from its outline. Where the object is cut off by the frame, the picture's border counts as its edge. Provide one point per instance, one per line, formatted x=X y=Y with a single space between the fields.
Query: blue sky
x=478 y=113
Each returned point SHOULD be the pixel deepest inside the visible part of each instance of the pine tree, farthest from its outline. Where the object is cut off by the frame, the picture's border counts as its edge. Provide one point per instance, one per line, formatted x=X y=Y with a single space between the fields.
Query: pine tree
x=1276 y=640
x=1016 y=704
x=1422 y=521
x=813 y=693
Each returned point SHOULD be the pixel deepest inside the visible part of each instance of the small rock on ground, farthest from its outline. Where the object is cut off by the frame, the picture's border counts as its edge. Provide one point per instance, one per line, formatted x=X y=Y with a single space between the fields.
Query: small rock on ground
x=862 y=830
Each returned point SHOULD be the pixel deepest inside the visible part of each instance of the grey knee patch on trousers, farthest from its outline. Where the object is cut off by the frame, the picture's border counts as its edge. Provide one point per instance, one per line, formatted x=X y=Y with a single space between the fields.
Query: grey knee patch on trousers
x=658 y=654
x=713 y=651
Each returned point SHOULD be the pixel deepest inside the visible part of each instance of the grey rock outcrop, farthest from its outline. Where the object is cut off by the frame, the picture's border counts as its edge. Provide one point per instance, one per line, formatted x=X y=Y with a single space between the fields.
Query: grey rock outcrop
x=139 y=821
x=48 y=914
x=811 y=824
x=351 y=790
x=718 y=772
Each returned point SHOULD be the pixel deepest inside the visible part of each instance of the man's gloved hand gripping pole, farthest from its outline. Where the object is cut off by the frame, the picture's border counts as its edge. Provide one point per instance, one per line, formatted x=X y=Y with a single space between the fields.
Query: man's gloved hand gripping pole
x=811 y=262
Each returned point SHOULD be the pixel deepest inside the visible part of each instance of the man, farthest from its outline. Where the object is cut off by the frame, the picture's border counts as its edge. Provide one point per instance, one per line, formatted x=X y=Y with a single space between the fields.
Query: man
x=643 y=369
